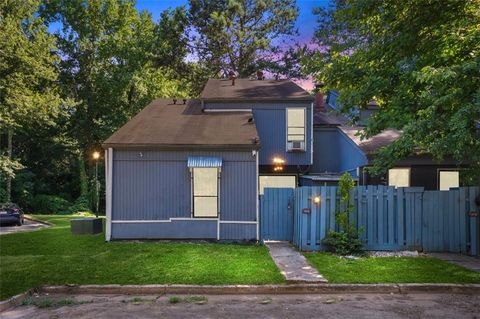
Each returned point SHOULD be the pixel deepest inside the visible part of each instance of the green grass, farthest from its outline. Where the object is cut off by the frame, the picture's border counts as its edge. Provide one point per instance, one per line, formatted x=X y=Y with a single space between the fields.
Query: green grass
x=390 y=270
x=54 y=257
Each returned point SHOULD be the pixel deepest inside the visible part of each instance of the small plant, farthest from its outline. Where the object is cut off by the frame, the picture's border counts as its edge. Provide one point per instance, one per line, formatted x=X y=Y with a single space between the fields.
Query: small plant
x=199 y=300
x=345 y=241
x=139 y=300
x=196 y=299
x=50 y=303
x=174 y=299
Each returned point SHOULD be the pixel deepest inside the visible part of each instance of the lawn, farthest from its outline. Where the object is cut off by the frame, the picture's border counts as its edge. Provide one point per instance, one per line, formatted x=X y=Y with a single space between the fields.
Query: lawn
x=390 y=270
x=53 y=256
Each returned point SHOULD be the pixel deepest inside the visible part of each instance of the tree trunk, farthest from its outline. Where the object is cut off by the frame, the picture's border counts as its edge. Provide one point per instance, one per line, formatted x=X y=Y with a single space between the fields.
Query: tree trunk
x=9 y=155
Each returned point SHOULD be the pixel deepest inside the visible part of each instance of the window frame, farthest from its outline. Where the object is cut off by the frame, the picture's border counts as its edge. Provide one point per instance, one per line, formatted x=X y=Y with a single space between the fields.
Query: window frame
x=287 y=126
x=409 y=169
x=447 y=170
x=193 y=196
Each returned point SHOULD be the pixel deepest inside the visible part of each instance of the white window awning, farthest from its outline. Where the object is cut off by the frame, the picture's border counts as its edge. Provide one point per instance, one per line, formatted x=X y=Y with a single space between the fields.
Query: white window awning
x=204 y=161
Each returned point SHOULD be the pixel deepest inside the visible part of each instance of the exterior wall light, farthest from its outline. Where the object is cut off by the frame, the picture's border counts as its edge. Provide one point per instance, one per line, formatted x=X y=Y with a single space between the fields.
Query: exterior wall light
x=278 y=164
x=96 y=155
x=317 y=200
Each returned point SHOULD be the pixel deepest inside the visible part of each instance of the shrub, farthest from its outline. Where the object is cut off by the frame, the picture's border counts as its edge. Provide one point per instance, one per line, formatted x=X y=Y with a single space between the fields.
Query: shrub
x=49 y=204
x=82 y=204
x=345 y=241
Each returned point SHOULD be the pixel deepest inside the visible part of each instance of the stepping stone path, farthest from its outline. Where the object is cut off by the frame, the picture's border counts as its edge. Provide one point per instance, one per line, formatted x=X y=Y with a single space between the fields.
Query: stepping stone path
x=293 y=265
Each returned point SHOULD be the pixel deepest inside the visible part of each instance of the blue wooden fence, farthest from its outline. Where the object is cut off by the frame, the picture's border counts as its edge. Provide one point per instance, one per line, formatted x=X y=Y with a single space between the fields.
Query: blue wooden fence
x=276 y=207
x=403 y=218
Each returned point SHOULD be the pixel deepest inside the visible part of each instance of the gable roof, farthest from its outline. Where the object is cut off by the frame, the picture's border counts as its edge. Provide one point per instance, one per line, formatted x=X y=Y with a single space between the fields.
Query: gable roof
x=164 y=124
x=254 y=90
x=370 y=145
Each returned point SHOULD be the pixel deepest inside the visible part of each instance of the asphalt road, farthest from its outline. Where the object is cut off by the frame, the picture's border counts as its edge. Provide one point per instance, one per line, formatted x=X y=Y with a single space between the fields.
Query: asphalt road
x=29 y=225
x=260 y=306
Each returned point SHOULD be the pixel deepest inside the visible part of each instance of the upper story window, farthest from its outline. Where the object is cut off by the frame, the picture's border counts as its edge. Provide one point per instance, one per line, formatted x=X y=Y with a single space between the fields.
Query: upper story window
x=296 y=132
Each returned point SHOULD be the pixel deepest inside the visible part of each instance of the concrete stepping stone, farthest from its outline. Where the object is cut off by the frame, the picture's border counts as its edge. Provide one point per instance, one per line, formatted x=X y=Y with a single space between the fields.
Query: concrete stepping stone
x=293 y=265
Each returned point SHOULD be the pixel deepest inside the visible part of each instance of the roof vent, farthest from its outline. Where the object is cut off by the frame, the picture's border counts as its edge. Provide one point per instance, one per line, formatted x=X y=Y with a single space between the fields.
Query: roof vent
x=232 y=76
x=260 y=75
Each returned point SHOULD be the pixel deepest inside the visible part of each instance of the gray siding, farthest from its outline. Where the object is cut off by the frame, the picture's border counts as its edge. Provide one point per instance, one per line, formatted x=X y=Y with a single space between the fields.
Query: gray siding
x=270 y=120
x=182 y=229
x=156 y=185
x=238 y=231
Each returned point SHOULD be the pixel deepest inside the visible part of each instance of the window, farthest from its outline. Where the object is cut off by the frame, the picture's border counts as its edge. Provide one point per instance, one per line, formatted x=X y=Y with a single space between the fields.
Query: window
x=280 y=181
x=399 y=177
x=205 y=191
x=448 y=179
x=295 y=129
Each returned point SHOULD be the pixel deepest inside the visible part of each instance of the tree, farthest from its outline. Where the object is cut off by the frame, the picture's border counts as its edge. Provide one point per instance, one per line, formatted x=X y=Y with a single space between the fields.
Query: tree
x=419 y=60
x=107 y=64
x=28 y=75
x=241 y=35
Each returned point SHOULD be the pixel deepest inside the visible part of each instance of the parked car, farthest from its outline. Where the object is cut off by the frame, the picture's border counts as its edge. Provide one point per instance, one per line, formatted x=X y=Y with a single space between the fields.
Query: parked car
x=11 y=213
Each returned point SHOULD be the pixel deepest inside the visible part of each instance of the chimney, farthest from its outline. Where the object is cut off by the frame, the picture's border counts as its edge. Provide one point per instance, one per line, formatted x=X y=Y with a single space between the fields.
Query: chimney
x=232 y=77
x=319 y=98
x=260 y=75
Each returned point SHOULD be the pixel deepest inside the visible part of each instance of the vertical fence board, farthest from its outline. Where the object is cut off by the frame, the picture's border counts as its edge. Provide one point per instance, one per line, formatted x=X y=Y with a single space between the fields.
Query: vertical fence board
x=473 y=221
x=393 y=218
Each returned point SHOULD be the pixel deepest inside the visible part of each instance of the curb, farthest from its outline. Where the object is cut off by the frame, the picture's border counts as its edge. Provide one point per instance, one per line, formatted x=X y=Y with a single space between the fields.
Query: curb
x=15 y=300
x=36 y=220
x=264 y=289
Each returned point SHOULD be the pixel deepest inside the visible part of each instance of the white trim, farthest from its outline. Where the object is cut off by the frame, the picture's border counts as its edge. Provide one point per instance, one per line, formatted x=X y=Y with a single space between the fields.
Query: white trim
x=108 y=186
x=257 y=198
x=226 y=110
x=237 y=222
x=145 y=221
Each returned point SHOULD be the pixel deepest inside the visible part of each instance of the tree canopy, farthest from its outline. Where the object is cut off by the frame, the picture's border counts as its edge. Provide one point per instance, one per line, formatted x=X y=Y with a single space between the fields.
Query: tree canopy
x=242 y=35
x=28 y=92
x=419 y=60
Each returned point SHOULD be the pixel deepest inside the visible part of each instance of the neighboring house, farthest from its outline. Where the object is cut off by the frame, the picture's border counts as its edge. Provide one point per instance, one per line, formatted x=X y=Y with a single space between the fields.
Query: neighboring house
x=191 y=168
x=339 y=149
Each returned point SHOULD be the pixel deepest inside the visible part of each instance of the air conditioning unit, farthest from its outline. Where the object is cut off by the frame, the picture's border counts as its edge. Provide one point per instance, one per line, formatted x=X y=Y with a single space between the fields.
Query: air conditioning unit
x=296 y=146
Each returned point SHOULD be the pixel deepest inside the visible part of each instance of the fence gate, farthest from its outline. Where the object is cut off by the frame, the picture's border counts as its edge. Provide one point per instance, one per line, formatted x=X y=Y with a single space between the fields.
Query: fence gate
x=276 y=214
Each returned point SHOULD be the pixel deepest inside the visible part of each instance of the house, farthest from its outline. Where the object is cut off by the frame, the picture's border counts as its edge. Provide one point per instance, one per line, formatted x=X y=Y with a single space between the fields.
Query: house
x=194 y=169
x=339 y=149
x=190 y=169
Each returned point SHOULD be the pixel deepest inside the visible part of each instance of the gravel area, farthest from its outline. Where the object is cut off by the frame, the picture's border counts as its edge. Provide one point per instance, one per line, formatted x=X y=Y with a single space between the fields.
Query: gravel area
x=403 y=253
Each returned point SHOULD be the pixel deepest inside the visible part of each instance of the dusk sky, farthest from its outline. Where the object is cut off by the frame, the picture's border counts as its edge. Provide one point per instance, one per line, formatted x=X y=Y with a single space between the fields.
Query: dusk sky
x=305 y=21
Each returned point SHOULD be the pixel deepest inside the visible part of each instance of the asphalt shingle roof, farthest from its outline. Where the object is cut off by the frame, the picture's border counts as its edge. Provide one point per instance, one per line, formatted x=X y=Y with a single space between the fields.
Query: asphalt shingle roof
x=254 y=90
x=162 y=123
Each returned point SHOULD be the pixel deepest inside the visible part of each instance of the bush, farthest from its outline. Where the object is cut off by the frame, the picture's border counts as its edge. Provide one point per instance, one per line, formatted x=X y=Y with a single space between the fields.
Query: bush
x=347 y=240
x=344 y=242
x=49 y=204
x=82 y=204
